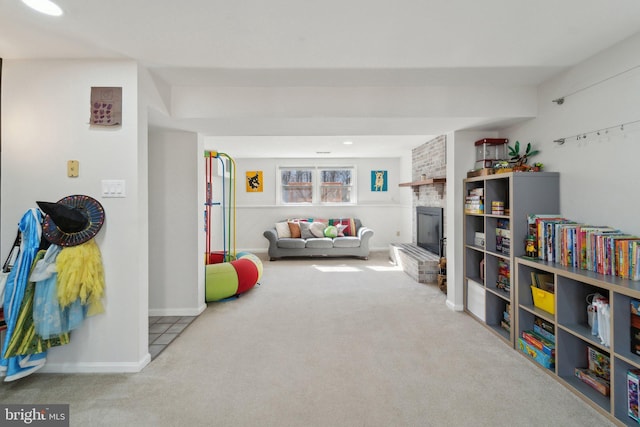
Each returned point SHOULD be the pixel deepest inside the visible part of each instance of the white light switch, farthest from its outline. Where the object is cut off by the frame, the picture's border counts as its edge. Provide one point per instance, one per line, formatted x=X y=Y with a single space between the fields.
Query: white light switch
x=113 y=188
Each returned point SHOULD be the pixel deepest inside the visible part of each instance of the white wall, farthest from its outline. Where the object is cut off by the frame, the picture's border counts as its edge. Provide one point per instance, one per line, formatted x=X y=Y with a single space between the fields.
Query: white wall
x=45 y=122
x=598 y=178
x=381 y=211
x=176 y=258
x=597 y=182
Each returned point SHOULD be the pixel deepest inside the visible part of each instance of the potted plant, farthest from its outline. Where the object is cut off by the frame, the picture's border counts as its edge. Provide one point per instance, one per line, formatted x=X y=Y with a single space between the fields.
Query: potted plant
x=520 y=160
x=537 y=167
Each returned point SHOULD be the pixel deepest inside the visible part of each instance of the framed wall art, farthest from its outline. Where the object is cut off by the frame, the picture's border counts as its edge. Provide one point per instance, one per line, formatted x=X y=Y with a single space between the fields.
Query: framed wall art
x=254 y=181
x=106 y=106
x=378 y=180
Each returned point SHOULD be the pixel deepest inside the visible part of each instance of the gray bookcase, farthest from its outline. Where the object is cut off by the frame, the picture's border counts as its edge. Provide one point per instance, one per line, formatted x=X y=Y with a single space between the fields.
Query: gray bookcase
x=523 y=193
x=573 y=334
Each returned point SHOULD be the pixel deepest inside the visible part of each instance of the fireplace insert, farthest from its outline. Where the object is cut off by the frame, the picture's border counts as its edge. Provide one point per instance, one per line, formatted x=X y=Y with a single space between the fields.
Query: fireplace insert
x=429 y=228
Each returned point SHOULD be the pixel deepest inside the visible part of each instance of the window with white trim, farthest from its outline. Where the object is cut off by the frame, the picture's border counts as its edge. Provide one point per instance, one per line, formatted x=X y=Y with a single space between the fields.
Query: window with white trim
x=296 y=185
x=317 y=185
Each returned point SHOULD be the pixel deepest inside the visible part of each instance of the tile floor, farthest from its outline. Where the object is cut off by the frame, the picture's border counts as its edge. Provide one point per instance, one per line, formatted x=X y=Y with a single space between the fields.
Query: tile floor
x=164 y=329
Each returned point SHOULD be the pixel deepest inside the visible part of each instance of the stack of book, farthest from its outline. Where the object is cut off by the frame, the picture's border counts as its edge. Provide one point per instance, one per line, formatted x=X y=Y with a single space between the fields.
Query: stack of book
x=497 y=207
x=474 y=202
x=602 y=249
x=503 y=237
x=505 y=323
x=597 y=375
x=539 y=344
x=504 y=276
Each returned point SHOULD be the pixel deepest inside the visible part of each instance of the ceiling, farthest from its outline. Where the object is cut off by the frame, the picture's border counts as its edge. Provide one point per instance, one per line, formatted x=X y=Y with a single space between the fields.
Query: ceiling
x=382 y=74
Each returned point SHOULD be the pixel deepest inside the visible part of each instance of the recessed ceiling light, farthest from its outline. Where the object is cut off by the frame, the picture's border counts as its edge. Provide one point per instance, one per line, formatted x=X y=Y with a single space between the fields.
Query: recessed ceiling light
x=348 y=142
x=44 y=6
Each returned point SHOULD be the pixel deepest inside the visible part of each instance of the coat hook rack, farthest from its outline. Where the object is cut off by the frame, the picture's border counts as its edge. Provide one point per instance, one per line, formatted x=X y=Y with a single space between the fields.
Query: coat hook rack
x=598 y=132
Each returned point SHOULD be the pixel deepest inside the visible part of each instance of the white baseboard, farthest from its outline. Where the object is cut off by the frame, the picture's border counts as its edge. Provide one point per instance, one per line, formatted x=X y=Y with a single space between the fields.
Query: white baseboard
x=96 y=368
x=177 y=311
x=454 y=307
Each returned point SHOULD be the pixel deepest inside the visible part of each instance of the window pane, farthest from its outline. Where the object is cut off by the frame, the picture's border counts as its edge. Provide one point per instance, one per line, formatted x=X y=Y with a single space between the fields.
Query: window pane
x=335 y=186
x=297 y=185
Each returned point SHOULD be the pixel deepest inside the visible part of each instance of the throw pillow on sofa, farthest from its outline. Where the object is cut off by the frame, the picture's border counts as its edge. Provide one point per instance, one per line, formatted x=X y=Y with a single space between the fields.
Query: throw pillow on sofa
x=282 y=228
x=294 y=227
x=331 y=232
x=317 y=229
x=350 y=229
x=305 y=231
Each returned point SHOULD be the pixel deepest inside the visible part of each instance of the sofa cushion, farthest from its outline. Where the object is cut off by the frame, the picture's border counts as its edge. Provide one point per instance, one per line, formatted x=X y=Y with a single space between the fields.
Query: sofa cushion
x=317 y=229
x=294 y=227
x=319 y=242
x=346 y=242
x=290 y=243
x=305 y=231
x=282 y=228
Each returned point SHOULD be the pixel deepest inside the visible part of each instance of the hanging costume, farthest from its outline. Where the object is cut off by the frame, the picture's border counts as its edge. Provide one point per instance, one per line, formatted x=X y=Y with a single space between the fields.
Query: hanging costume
x=49 y=317
x=17 y=367
x=49 y=293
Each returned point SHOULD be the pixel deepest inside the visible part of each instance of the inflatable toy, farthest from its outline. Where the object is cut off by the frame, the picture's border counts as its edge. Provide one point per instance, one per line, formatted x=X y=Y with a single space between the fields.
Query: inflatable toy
x=227 y=279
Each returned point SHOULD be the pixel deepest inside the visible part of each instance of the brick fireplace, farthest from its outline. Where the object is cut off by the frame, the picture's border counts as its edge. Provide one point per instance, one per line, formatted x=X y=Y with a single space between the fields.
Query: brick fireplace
x=428 y=161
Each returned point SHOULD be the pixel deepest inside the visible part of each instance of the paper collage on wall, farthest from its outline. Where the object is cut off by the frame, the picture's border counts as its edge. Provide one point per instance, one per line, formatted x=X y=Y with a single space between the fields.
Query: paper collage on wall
x=106 y=106
x=254 y=181
x=378 y=180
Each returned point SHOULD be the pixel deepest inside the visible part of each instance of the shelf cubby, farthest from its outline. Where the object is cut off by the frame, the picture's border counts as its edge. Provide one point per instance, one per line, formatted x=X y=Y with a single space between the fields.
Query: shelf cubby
x=622 y=328
x=495 y=308
x=473 y=224
x=620 y=405
x=572 y=296
x=472 y=267
x=571 y=353
x=492 y=266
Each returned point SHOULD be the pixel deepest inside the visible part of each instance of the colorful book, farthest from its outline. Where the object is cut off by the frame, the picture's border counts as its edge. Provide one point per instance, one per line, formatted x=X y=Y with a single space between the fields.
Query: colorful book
x=597 y=383
x=633 y=388
x=541 y=228
x=599 y=363
x=583 y=234
x=539 y=342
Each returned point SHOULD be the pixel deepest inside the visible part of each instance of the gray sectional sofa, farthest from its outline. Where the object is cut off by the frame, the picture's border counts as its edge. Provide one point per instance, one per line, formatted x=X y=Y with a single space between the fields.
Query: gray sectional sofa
x=357 y=245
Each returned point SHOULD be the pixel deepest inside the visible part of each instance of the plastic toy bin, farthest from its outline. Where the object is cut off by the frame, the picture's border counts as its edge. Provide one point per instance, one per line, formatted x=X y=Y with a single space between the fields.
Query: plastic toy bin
x=543 y=300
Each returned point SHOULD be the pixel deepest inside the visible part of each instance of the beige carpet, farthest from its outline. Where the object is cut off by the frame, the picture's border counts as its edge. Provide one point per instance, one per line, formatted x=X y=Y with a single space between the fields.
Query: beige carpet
x=323 y=343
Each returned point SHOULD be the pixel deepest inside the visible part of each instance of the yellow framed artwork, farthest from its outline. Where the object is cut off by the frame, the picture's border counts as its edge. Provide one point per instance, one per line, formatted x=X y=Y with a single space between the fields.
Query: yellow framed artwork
x=254 y=181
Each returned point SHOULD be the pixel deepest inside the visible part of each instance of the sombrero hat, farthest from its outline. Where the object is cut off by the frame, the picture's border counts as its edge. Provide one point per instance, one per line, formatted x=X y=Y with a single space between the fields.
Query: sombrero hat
x=72 y=220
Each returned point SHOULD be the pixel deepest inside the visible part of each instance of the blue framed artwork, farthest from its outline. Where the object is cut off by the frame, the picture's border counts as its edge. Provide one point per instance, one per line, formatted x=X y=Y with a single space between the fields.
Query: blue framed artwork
x=378 y=180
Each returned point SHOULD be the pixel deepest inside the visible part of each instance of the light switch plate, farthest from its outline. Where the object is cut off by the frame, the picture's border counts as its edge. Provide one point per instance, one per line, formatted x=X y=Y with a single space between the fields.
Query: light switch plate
x=113 y=188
